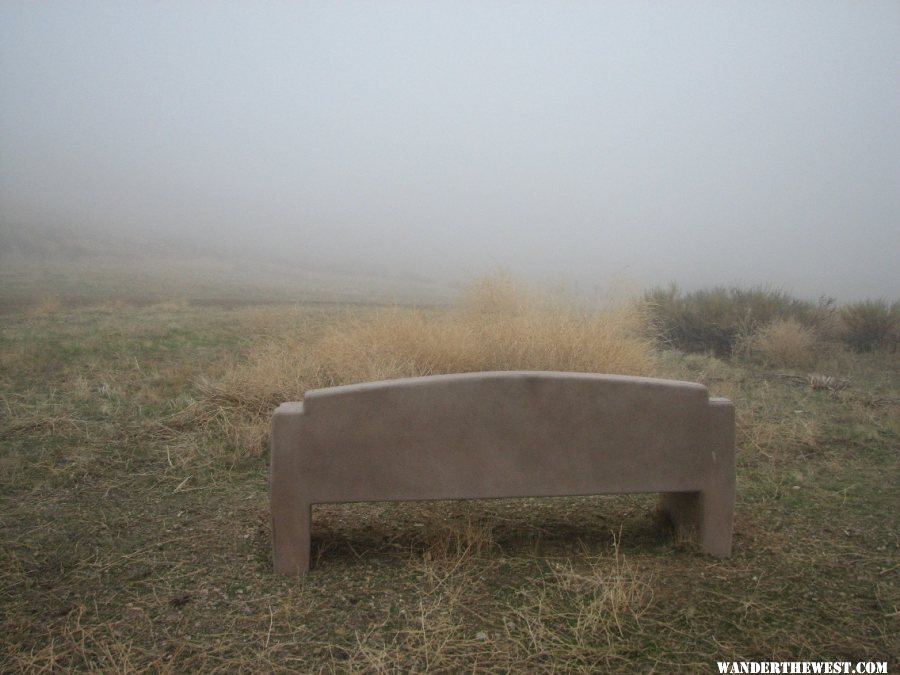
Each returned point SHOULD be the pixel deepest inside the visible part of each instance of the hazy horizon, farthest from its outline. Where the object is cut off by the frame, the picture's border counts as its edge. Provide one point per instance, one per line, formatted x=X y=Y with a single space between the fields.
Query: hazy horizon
x=584 y=143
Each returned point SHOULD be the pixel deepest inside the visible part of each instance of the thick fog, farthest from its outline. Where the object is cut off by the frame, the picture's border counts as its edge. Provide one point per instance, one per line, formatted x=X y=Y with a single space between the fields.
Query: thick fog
x=588 y=143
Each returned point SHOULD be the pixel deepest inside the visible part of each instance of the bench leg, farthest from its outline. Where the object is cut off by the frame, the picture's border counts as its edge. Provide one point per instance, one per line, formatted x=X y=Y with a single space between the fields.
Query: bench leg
x=717 y=501
x=289 y=500
x=717 y=515
x=291 y=538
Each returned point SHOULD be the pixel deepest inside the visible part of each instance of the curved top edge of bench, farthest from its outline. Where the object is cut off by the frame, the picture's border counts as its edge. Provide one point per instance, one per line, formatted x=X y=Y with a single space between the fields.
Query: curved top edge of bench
x=494 y=375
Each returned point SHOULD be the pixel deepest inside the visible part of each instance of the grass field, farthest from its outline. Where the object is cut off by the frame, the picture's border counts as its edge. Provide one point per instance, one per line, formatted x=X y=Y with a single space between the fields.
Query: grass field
x=134 y=526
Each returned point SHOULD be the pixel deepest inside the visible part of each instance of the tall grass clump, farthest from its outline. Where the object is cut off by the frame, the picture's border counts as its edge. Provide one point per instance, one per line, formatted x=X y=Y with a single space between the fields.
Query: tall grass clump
x=499 y=325
x=785 y=343
x=720 y=320
x=870 y=325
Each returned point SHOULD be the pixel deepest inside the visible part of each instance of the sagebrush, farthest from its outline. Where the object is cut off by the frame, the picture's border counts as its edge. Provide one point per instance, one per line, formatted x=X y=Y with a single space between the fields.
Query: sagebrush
x=721 y=320
x=870 y=325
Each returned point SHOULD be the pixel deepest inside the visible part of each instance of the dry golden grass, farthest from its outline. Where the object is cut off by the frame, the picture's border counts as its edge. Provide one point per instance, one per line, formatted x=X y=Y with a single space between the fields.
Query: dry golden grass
x=586 y=608
x=577 y=616
x=500 y=325
x=786 y=343
x=41 y=419
x=768 y=427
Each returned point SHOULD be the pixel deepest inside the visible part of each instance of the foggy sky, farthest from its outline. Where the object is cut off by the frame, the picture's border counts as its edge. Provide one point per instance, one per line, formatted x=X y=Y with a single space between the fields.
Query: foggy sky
x=705 y=143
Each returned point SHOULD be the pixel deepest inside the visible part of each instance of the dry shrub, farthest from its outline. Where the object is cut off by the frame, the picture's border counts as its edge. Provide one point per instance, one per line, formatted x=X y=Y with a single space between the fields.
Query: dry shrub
x=717 y=319
x=871 y=325
x=499 y=326
x=786 y=343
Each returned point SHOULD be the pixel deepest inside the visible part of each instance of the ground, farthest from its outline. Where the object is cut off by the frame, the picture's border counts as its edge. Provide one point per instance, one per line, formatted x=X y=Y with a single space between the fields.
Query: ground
x=132 y=543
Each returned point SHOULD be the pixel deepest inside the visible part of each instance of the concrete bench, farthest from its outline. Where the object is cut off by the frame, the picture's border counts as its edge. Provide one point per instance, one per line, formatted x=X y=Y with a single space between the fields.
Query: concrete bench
x=503 y=434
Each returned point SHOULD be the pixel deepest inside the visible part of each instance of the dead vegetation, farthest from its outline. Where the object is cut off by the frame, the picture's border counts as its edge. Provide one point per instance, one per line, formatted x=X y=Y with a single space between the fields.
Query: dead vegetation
x=786 y=343
x=134 y=519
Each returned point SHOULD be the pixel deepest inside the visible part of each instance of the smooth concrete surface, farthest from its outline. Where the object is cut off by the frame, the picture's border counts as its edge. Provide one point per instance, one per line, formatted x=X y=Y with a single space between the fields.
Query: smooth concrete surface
x=503 y=434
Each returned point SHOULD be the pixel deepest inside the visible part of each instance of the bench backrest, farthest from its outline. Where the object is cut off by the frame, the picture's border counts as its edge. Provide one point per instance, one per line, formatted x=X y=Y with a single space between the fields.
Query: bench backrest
x=505 y=434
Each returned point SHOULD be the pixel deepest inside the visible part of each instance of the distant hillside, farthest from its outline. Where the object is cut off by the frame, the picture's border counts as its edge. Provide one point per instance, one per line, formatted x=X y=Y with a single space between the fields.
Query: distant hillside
x=39 y=261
